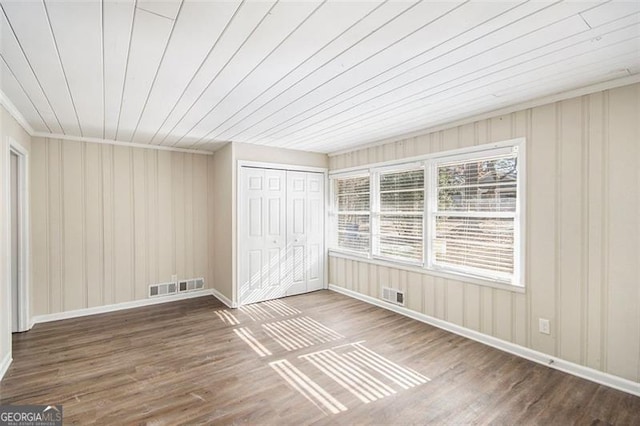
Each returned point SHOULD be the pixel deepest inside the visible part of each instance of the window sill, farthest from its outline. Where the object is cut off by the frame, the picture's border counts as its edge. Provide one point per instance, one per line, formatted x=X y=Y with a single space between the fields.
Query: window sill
x=427 y=271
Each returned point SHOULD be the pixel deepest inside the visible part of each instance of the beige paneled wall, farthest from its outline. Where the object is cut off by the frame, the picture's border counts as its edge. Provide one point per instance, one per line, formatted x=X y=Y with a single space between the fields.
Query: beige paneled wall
x=221 y=205
x=109 y=220
x=9 y=130
x=582 y=234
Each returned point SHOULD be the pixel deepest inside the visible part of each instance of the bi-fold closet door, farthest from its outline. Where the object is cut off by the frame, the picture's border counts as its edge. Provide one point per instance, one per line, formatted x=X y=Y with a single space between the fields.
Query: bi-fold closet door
x=280 y=233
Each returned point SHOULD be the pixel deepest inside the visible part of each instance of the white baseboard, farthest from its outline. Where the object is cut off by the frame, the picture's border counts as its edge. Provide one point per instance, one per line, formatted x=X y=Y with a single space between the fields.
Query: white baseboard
x=224 y=299
x=596 y=376
x=119 y=306
x=4 y=365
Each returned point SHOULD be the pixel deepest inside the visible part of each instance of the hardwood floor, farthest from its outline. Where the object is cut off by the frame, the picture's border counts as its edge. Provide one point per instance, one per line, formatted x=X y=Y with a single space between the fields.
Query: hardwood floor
x=317 y=358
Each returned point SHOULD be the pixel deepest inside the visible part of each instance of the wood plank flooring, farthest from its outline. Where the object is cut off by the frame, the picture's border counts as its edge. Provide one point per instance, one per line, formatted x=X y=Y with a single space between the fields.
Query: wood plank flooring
x=319 y=358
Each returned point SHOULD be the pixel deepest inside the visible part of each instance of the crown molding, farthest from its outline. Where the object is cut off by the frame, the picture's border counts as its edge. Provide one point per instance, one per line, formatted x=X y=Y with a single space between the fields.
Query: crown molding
x=22 y=121
x=448 y=124
x=13 y=111
x=118 y=143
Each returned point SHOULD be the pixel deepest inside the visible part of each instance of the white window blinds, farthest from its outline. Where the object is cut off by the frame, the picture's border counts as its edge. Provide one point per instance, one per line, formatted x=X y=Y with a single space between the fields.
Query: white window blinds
x=474 y=216
x=352 y=211
x=399 y=218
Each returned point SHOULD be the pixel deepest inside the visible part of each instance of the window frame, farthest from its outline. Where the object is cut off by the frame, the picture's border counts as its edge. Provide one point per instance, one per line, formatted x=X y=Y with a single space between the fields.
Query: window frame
x=376 y=210
x=429 y=163
x=334 y=213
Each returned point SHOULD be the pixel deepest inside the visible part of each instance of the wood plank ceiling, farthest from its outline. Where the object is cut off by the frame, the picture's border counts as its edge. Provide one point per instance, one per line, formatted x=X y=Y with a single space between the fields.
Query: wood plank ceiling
x=312 y=75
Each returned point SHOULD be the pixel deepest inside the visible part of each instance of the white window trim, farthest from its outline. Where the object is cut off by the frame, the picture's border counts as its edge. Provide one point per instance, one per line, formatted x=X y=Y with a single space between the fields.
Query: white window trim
x=333 y=211
x=428 y=161
x=376 y=210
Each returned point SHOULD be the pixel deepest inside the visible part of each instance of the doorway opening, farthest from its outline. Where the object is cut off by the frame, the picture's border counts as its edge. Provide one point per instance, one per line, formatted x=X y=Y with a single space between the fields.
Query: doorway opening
x=17 y=221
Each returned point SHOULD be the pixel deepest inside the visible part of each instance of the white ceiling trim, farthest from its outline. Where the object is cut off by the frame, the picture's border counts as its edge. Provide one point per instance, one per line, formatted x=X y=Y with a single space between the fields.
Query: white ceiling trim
x=13 y=111
x=119 y=143
x=598 y=87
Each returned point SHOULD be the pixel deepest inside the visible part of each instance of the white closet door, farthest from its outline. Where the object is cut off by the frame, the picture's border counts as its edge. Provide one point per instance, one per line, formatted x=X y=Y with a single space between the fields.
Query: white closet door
x=305 y=231
x=315 y=231
x=262 y=235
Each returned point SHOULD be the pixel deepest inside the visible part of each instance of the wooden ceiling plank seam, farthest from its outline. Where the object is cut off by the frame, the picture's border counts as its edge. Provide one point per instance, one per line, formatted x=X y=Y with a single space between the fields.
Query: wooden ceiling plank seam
x=475 y=88
x=329 y=61
x=377 y=110
x=24 y=91
x=76 y=26
x=453 y=50
x=206 y=58
x=606 y=22
x=436 y=71
x=220 y=71
x=155 y=76
x=406 y=36
x=126 y=67
x=17 y=65
x=492 y=111
x=239 y=110
x=386 y=135
x=64 y=73
x=293 y=31
x=406 y=61
x=377 y=118
x=26 y=58
x=167 y=9
x=394 y=90
x=159 y=14
x=391 y=115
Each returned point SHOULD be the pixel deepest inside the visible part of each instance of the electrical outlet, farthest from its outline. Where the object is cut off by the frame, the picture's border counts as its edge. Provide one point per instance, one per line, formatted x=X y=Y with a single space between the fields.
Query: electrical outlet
x=544 y=326
x=174 y=278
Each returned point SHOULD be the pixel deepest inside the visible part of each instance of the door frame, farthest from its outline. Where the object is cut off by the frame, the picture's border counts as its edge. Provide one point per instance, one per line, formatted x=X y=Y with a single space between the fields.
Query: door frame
x=236 y=235
x=24 y=314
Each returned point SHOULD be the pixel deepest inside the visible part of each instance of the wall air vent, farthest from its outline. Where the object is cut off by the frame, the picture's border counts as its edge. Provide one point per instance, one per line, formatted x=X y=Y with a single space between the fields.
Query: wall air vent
x=393 y=296
x=191 y=285
x=162 y=289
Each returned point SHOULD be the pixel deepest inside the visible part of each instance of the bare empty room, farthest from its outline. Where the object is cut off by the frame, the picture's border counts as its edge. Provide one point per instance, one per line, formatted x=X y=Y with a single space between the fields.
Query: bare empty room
x=319 y=212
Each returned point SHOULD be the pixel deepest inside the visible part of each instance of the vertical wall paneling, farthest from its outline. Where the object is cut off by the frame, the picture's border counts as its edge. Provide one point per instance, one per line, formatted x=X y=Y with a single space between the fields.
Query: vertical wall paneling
x=594 y=218
x=178 y=213
x=164 y=230
x=152 y=216
x=40 y=226
x=541 y=186
x=582 y=233
x=570 y=277
x=140 y=219
x=200 y=225
x=623 y=328
x=472 y=312
x=188 y=213
x=123 y=230
x=72 y=226
x=105 y=225
x=55 y=246
x=414 y=291
x=94 y=225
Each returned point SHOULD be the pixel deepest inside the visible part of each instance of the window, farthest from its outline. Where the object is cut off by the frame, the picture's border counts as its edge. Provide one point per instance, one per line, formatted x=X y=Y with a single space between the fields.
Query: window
x=398 y=224
x=352 y=213
x=473 y=219
x=456 y=213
